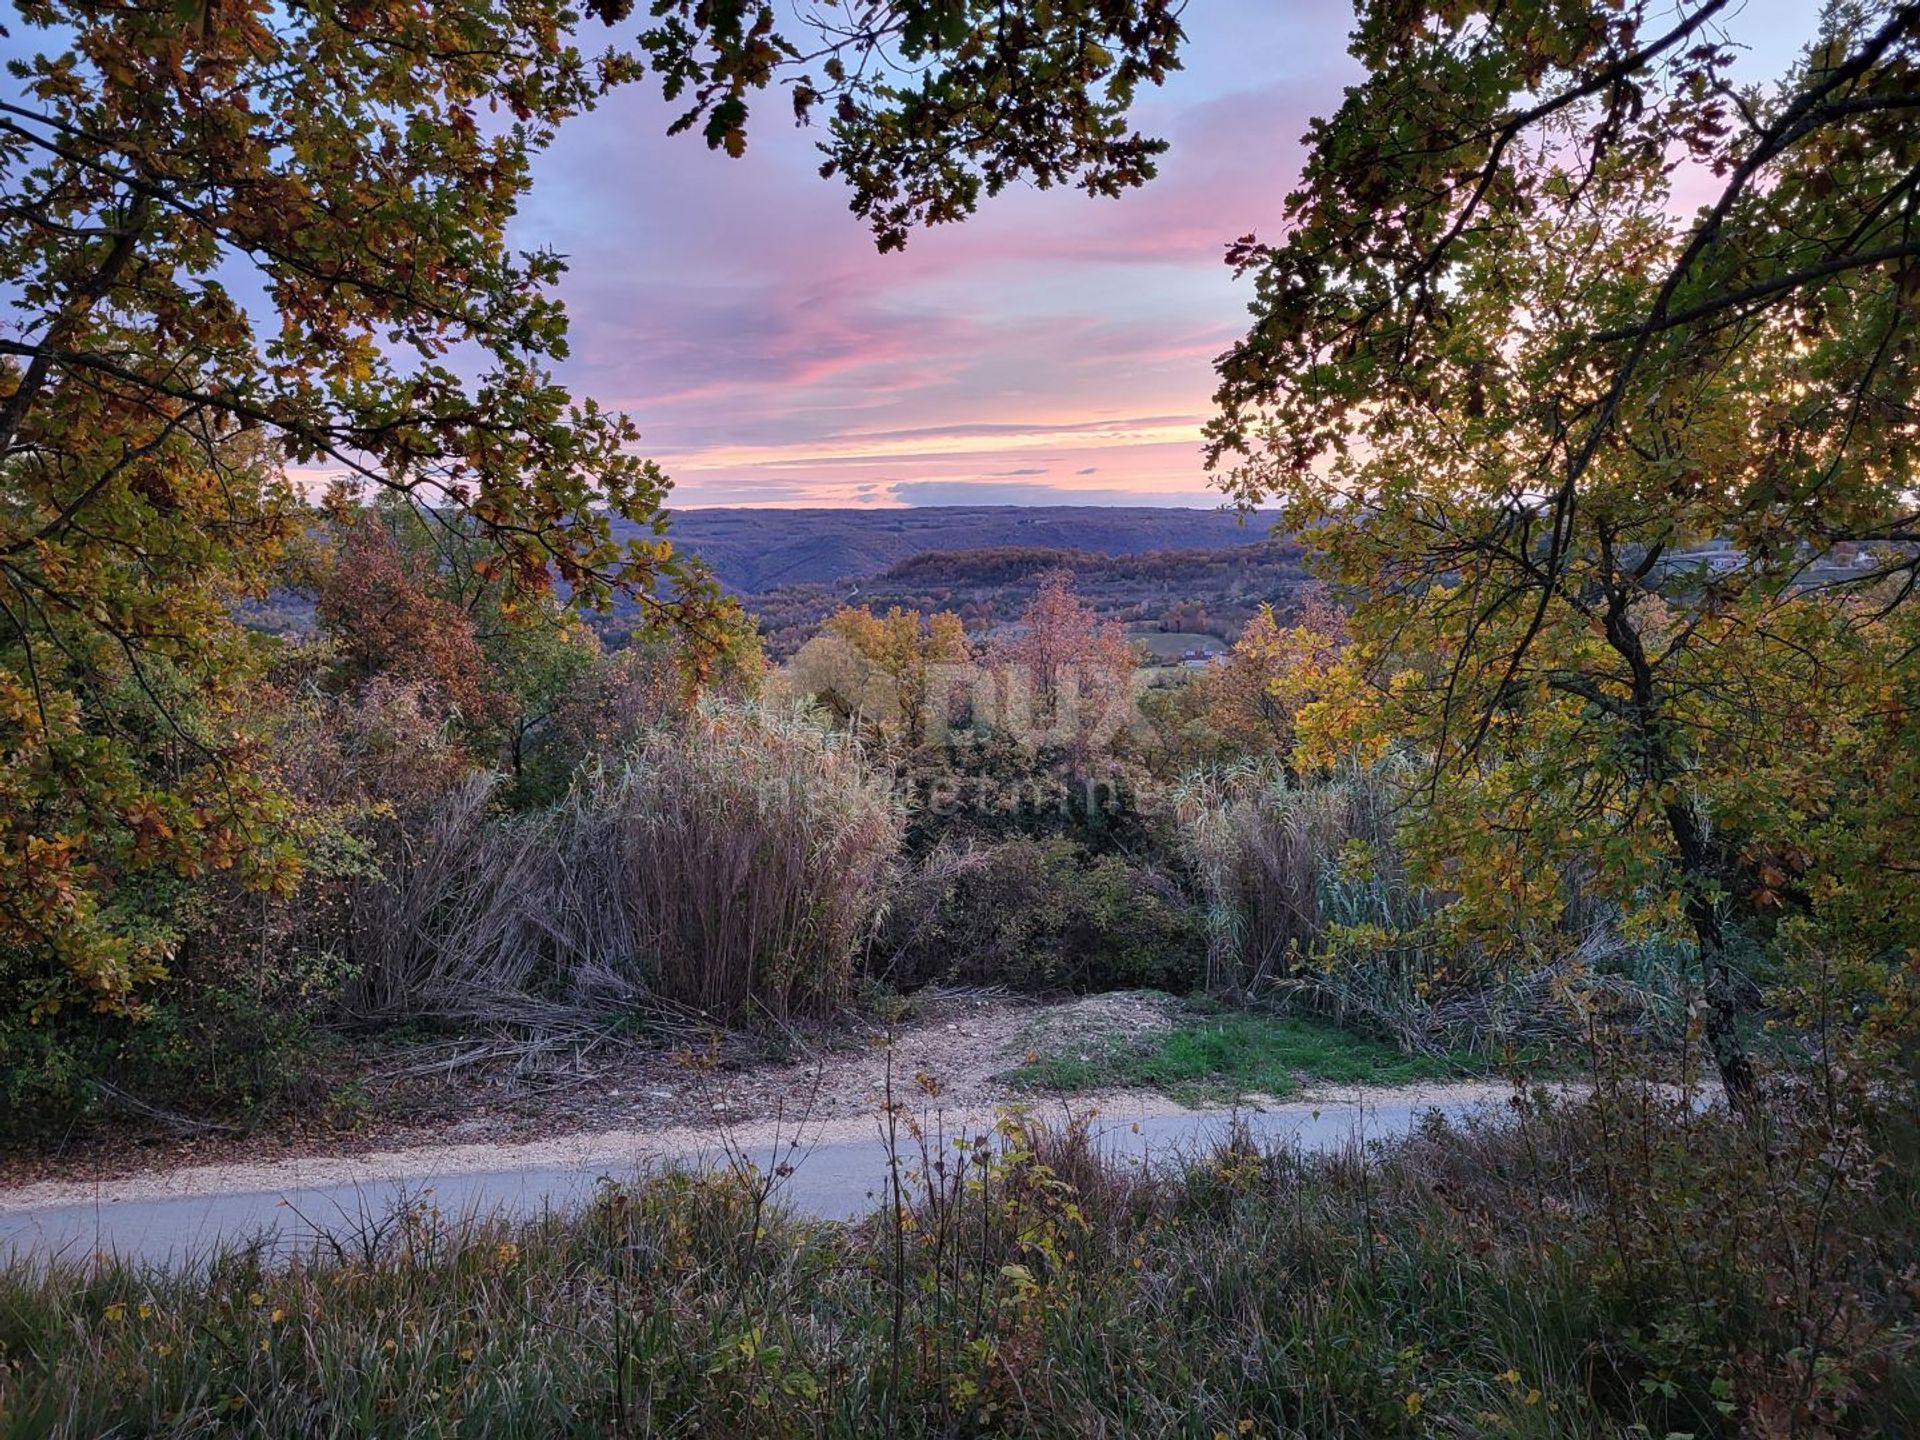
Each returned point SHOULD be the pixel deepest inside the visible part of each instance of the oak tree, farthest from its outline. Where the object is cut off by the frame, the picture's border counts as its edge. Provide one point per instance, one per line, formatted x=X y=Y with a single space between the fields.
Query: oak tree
x=1584 y=363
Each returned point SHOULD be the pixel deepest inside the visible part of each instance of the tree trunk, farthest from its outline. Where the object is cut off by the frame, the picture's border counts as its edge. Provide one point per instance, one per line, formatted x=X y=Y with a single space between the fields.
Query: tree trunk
x=1723 y=1004
x=1698 y=873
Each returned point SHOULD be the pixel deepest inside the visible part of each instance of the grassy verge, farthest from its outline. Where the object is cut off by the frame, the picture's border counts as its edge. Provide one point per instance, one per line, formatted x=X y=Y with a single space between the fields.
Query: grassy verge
x=1625 y=1267
x=1218 y=1055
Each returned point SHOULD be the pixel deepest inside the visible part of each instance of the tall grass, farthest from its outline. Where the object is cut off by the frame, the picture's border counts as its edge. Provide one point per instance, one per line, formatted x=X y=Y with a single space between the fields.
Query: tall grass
x=753 y=852
x=732 y=863
x=1310 y=905
x=1624 y=1266
x=451 y=922
x=1280 y=862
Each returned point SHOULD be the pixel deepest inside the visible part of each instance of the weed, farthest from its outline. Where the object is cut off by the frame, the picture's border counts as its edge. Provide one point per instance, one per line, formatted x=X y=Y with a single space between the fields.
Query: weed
x=1625 y=1265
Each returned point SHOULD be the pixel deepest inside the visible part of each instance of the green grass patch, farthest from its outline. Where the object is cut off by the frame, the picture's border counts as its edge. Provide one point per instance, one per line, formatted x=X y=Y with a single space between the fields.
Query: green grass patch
x=1223 y=1054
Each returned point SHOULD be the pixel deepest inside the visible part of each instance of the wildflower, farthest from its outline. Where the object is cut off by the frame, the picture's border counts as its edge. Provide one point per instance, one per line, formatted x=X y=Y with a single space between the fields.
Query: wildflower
x=115 y=1313
x=1512 y=1377
x=277 y=1316
x=145 y=1312
x=466 y=1353
x=1533 y=1397
x=506 y=1253
x=265 y=1345
x=389 y=1345
x=254 y=1297
x=162 y=1348
x=1245 y=1427
x=1414 y=1402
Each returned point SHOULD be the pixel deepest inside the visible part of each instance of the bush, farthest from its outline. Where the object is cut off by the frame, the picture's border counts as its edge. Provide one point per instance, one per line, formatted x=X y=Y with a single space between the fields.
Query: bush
x=46 y=1075
x=984 y=786
x=1309 y=905
x=250 y=962
x=1043 y=915
x=1280 y=863
x=213 y=1043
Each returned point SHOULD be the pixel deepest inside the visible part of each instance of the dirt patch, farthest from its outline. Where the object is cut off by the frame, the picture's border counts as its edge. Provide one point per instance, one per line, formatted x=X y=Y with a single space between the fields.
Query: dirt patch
x=1086 y=1027
x=949 y=1047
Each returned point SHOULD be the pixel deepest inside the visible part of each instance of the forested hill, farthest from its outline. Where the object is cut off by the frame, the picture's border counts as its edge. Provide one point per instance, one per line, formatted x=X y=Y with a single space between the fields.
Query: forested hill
x=753 y=551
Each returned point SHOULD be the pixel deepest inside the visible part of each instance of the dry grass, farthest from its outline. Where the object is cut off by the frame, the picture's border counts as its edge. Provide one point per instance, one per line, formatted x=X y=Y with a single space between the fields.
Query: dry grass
x=1310 y=908
x=1268 y=855
x=754 y=851
x=1622 y=1266
x=730 y=866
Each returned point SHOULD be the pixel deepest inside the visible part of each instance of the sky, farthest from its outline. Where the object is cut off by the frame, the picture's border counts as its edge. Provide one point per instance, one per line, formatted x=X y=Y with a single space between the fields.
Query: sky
x=1054 y=349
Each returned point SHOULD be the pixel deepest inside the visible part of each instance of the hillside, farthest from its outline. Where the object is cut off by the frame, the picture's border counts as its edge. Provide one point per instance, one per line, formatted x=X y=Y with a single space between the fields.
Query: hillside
x=753 y=551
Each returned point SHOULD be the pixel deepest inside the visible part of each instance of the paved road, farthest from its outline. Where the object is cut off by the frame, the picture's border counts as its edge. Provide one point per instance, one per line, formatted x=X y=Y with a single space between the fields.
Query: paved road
x=832 y=1181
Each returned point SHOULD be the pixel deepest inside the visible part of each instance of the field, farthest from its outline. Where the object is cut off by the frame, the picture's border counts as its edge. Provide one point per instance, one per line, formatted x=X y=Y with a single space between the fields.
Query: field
x=1174 y=646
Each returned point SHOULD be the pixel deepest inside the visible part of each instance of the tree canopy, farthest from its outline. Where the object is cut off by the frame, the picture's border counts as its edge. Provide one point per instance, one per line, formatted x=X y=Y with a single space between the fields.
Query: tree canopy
x=931 y=105
x=250 y=242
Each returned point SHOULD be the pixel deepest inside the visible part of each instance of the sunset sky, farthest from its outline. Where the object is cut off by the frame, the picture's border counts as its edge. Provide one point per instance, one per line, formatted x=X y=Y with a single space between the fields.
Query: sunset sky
x=1054 y=349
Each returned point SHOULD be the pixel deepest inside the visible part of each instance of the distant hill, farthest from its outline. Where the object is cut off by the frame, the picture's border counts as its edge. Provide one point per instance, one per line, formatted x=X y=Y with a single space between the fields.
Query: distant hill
x=794 y=567
x=1206 y=590
x=753 y=551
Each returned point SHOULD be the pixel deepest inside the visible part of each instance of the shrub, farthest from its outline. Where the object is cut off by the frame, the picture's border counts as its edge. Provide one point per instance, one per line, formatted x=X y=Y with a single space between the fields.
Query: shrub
x=984 y=785
x=229 y=1036
x=248 y=962
x=1309 y=903
x=1047 y=914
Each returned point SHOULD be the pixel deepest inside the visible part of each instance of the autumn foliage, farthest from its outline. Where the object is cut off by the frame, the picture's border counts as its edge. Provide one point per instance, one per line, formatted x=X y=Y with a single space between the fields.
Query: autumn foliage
x=1251 y=700
x=383 y=621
